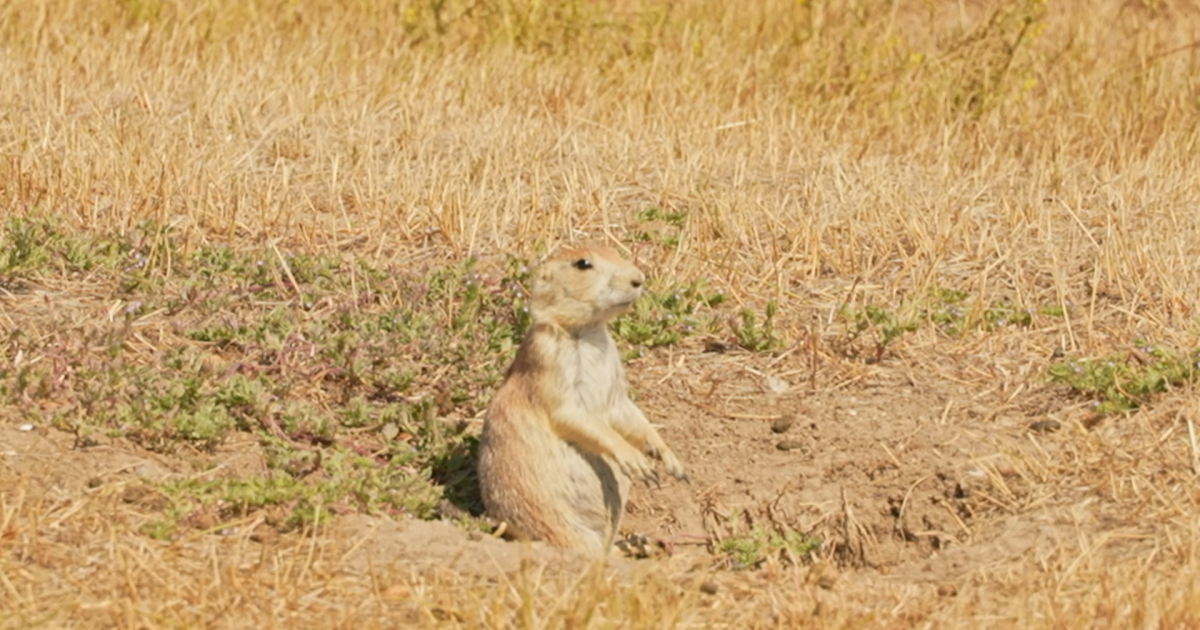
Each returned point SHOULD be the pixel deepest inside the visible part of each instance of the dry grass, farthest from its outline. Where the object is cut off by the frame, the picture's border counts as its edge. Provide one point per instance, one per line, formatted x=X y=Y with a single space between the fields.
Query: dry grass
x=825 y=154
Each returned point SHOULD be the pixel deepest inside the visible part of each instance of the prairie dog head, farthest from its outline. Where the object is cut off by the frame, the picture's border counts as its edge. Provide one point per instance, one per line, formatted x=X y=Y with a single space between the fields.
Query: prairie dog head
x=578 y=287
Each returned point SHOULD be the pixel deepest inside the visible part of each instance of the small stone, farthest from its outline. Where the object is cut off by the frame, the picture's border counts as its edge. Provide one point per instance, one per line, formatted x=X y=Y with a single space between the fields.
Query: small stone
x=265 y=535
x=203 y=520
x=789 y=445
x=709 y=588
x=777 y=385
x=780 y=425
x=947 y=590
x=475 y=536
x=1045 y=426
x=95 y=482
x=133 y=494
x=25 y=427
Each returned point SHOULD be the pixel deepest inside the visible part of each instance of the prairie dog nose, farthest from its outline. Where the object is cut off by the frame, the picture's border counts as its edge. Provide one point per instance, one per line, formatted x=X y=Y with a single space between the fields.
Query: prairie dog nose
x=637 y=278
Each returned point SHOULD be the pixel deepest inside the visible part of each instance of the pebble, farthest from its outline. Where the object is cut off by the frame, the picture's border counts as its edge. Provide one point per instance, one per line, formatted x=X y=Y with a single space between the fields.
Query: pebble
x=781 y=425
x=25 y=427
x=789 y=445
x=1045 y=426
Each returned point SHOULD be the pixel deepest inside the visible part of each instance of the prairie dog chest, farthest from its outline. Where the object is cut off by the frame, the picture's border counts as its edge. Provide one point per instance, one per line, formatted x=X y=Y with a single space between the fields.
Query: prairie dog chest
x=592 y=371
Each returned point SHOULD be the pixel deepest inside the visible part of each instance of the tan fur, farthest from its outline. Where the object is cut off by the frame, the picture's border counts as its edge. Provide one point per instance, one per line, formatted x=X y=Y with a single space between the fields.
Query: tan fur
x=562 y=439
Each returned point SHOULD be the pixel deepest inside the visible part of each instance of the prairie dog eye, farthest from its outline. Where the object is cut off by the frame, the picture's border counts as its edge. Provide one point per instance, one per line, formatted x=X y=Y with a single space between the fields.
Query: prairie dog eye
x=582 y=264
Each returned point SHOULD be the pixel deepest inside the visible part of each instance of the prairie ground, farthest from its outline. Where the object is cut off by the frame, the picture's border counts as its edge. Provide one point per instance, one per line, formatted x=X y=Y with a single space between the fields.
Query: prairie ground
x=921 y=319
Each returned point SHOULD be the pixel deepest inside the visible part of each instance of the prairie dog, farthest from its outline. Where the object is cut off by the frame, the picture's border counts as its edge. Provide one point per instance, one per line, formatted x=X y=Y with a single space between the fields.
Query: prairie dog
x=561 y=438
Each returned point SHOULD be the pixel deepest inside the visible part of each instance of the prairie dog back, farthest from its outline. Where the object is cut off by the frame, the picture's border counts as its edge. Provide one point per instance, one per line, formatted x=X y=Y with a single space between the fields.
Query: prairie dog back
x=561 y=438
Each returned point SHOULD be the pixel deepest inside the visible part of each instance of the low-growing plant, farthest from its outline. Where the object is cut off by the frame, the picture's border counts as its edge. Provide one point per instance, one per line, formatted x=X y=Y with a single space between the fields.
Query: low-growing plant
x=752 y=549
x=664 y=318
x=883 y=325
x=948 y=310
x=661 y=227
x=757 y=336
x=25 y=244
x=1124 y=382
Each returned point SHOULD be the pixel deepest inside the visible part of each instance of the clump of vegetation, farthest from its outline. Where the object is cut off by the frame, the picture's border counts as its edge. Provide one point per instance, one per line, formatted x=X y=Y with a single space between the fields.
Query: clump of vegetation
x=751 y=549
x=755 y=335
x=884 y=327
x=950 y=311
x=24 y=242
x=660 y=227
x=1124 y=382
x=665 y=317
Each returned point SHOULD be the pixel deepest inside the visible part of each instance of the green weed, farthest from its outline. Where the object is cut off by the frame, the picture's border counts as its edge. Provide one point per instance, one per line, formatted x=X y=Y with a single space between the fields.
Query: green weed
x=661 y=227
x=25 y=244
x=950 y=311
x=664 y=318
x=883 y=327
x=752 y=549
x=757 y=336
x=1124 y=382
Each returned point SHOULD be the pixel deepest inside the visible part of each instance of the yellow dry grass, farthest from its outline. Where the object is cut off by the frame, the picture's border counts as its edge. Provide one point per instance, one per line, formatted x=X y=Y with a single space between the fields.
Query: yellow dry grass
x=1043 y=153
